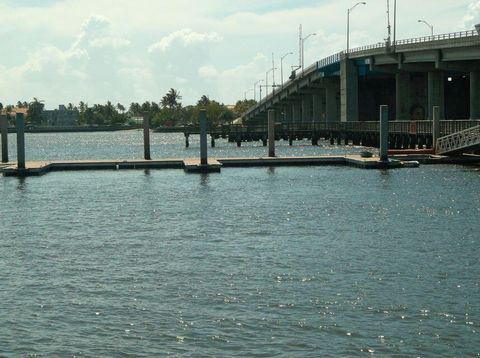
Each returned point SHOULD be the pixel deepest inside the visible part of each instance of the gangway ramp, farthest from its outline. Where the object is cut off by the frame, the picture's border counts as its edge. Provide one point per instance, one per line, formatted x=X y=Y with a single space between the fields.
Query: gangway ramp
x=460 y=142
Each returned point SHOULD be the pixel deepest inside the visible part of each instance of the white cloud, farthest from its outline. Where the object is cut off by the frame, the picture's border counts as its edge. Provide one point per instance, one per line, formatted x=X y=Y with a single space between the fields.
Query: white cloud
x=112 y=42
x=63 y=53
x=472 y=17
x=208 y=72
x=185 y=37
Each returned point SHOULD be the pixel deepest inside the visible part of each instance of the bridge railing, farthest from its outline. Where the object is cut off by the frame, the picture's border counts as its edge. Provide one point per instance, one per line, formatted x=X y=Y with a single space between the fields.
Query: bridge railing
x=416 y=40
x=448 y=36
x=395 y=127
x=314 y=67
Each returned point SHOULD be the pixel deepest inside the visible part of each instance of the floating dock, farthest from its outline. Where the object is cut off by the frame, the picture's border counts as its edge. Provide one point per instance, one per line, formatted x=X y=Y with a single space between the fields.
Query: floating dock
x=36 y=168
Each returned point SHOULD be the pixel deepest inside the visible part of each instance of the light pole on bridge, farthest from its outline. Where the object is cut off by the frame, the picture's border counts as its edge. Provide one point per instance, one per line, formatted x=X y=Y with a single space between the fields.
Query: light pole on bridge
x=255 y=90
x=266 y=80
x=245 y=93
x=281 y=65
x=426 y=23
x=303 y=49
x=348 y=23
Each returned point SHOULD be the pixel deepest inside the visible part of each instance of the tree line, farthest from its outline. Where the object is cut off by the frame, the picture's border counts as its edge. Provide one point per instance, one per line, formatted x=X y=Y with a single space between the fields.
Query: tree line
x=167 y=112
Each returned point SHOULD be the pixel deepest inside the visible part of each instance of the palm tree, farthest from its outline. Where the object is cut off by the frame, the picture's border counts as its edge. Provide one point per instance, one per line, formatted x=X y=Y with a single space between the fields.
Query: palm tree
x=171 y=99
x=135 y=109
x=203 y=101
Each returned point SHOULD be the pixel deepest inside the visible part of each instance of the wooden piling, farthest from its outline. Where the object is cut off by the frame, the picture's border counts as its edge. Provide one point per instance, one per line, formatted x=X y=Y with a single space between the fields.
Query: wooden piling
x=20 y=125
x=383 y=133
x=271 y=133
x=146 y=137
x=4 y=138
x=203 y=137
x=436 y=126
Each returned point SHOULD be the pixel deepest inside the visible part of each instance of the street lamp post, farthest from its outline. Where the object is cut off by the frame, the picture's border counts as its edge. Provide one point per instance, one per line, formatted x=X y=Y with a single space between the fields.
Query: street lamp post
x=261 y=86
x=255 y=90
x=281 y=65
x=303 y=48
x=266 y=79
x=426 y=23
x=348 y=23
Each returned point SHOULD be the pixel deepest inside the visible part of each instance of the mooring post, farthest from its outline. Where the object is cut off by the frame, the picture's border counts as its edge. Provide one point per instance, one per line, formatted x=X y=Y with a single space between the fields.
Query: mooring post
x=435 y=127
x=383 y=133
x=146 y=136
x=4 y=135
x=271 y=132
x=20 y=125
x=203 y=137
x=187 y=143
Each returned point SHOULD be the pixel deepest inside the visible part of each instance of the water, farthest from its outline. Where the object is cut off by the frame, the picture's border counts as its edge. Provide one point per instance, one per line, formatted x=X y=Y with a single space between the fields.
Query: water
x=252 y=262
x=129 y=145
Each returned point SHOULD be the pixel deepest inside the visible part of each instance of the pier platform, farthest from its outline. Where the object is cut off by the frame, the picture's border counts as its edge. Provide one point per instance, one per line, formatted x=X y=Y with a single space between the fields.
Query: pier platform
x=192 y=165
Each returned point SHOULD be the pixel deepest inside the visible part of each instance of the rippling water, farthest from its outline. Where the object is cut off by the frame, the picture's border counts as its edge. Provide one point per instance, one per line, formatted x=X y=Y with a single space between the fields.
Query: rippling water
x=253 y=262
x=129 y=145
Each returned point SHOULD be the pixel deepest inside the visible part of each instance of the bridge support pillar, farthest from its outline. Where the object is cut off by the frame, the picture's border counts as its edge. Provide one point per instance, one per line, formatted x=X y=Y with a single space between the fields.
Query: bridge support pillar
x=296 y=112
x=436 y=94
x=348 y=91
x=287 y=114
x=402 y=96
x=278 y=113
x=20 y=141
x=4 y=135
x=331 y=102
x=318 y=107
x=271 y=133
x=475 y=95
x=306 y=108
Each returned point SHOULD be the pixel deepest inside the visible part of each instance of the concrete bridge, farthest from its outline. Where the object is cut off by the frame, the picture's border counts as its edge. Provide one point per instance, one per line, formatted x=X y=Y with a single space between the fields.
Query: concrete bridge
x=410 y=76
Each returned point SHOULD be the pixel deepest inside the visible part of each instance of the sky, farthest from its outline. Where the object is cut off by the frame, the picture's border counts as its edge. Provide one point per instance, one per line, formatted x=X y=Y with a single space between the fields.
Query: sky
x=67 y=51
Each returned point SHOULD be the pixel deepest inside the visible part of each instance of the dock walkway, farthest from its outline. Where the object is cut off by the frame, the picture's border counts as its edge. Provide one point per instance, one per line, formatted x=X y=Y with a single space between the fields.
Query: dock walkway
x=36 y=168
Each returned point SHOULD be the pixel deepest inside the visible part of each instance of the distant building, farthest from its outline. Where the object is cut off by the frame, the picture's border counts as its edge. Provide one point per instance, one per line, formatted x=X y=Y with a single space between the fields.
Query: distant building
x=14 y=111
x=60 y=117
x=136 y=119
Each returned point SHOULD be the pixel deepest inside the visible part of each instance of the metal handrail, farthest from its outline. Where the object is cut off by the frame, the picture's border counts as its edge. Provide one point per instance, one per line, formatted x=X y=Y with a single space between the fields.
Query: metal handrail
x=416 y=40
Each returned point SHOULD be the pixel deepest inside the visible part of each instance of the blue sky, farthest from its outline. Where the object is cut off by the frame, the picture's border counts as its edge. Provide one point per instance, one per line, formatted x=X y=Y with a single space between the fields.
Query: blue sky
x=65 y=51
